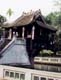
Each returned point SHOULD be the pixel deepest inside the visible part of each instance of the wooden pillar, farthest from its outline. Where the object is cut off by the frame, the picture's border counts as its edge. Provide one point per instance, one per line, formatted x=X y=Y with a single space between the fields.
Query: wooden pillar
x=10 y=34
x=23 y=31
x=33 y=31
x=16 y=34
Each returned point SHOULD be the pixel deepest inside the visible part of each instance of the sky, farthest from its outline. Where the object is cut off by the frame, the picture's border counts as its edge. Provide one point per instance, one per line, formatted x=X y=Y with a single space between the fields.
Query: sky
x=19 y=6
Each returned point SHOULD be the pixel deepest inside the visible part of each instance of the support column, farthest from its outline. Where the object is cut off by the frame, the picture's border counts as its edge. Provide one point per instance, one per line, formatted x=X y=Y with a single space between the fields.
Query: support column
x=23 y=32
x=14 y=35
x=10 y=34
x=33 y=31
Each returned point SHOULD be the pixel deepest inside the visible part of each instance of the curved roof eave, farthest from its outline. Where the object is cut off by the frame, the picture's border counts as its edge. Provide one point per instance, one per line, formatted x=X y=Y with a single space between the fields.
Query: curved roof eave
x=21 y=21
x=46 y=26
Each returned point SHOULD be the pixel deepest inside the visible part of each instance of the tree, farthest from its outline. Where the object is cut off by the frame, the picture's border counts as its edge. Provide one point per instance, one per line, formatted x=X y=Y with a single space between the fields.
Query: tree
x=59 y=20
x=9 y=12
x=54 y=19
x=58 y=4
x=51 y=18
x=2 y=20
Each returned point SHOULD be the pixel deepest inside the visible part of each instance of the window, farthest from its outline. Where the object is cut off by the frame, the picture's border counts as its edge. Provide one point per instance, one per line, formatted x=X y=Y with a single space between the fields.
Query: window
x=22 y=76
x=42 y=78
x=36 y=78
x=7 y=73
x=11 y=74
x=16 y=75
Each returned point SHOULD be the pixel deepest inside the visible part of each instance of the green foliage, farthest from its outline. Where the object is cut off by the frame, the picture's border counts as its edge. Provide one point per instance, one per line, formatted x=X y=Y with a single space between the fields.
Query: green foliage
x=58 y=22
x=46 y=52
x=2 y=19
x=54 y=19
x=50 y=19
x=9 y=12
x=58 y=4
x=1 y=32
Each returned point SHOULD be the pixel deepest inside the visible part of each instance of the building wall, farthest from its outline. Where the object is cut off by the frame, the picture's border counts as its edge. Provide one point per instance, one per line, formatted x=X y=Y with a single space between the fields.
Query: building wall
x=29 y=73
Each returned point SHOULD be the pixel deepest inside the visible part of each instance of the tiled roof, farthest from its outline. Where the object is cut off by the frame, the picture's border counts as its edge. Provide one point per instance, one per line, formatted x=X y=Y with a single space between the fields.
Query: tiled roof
x=29 y=18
